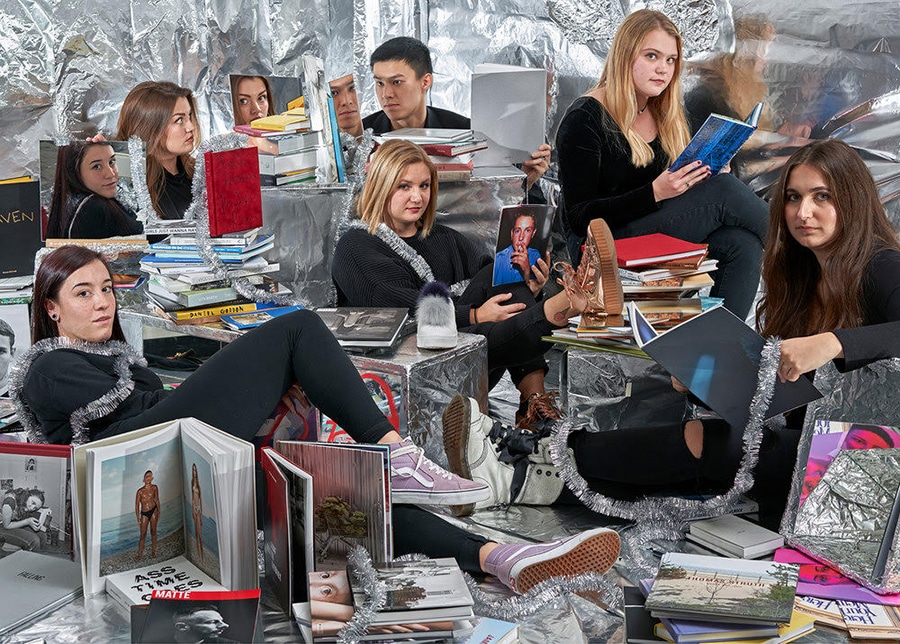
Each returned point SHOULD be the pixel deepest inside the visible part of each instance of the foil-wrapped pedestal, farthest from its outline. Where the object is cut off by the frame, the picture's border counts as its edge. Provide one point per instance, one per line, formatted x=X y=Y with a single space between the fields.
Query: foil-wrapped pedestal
x=608 y=391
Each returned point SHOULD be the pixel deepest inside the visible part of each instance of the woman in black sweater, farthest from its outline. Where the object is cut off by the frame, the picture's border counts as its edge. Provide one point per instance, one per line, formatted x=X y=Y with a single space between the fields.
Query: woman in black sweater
x=395 y=248
x=84 y=204
x=80 y=381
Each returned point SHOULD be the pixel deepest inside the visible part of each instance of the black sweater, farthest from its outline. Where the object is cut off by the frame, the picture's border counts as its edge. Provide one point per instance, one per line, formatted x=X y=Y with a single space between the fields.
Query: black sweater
x=368 y=273
x=96 y=219
x=435 y=118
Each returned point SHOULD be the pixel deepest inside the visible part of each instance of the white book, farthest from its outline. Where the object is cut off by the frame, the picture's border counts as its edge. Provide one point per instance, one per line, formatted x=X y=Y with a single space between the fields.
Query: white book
x=736 y=536
x=509 y=107
x=178 y=574
x=34 y=584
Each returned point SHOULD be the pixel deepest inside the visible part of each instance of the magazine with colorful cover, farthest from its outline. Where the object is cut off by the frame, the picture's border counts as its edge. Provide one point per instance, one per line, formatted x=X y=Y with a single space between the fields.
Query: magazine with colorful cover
x=722 y=589
x=288 y=526
x=351 y=498
x=819 y=580
x=46 y=471
x=145 y=498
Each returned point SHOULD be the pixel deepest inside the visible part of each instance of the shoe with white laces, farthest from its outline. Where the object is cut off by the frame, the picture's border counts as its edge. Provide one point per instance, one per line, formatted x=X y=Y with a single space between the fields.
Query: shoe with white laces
x=522 y=566
x=417 y=479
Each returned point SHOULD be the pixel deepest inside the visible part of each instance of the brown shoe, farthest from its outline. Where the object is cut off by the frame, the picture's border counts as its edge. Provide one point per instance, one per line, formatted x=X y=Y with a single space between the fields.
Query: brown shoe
x=600 y=247
x=536 y=409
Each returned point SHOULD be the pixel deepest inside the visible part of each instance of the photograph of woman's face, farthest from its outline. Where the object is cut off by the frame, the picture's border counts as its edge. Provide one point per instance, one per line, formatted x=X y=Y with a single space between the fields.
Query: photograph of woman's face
x=252 y=99
x=98 y=171
x=179 y=135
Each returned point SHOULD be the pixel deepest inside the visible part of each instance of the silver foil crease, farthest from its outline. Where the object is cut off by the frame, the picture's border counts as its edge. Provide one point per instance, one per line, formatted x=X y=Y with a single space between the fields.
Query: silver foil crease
x=846 y=519
x=125 y=355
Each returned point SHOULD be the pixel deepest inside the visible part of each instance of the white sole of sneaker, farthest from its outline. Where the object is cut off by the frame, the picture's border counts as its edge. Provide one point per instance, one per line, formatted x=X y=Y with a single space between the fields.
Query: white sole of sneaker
x=441 y=498
x=593 y=551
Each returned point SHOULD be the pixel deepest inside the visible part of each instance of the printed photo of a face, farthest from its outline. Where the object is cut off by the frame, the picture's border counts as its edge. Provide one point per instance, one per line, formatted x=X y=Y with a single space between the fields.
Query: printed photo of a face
x=522 y=239
x=255 y=96
x=15 y=337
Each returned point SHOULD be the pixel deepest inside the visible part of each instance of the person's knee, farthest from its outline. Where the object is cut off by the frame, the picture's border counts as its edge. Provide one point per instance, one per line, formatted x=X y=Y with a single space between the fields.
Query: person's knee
x=733 y=244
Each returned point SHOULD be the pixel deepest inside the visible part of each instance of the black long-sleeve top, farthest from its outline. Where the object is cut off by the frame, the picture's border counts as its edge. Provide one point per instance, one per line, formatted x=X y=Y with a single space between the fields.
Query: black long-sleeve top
x=367 y=272
x=597 y=176
x=96 y=219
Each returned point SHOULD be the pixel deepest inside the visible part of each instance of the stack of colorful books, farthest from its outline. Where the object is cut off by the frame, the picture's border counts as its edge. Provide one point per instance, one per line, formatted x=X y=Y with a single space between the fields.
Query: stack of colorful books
x=451 y=151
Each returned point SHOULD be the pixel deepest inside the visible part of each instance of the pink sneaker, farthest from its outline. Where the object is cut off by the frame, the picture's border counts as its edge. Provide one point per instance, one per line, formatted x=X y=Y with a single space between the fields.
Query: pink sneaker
x=417 y=479
x=521 y=566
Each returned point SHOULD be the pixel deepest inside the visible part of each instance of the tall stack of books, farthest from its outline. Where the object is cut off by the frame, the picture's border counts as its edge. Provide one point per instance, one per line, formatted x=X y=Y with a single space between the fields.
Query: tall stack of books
x=451 y=151
x=287 y=145
x=182 y=289
x=696 y=598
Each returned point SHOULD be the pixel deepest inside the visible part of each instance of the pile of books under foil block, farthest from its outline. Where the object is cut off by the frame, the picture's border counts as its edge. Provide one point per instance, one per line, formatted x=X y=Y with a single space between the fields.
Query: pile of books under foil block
x=451 y=151
x=182 y=288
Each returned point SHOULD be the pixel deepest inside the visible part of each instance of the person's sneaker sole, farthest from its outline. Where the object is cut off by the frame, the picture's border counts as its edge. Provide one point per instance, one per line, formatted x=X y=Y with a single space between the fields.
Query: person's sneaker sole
x=468 y=497
x=613 y=298
x=596 y=552
x=455 y=429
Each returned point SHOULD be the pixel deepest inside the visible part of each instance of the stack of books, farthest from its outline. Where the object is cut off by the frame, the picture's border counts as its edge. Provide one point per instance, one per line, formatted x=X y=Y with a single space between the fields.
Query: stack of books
x=451 y=151
x=182 y=288
x=734 y=536
x=288 y=147
x=696 y=598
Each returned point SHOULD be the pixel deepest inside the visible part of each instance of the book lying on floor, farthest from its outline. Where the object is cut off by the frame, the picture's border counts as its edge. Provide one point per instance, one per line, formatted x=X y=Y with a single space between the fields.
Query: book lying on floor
x=201 y=616
x=33 y=585
x=800 y=624
x=734 y=536
x=718 y=140
x=419 y=591
x=151 y=501
x=721 y=589
x=364 y=327
x=870 y=621
x=716 y=356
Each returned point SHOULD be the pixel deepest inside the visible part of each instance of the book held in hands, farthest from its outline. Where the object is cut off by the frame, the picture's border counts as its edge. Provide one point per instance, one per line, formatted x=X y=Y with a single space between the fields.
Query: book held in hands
x=718 y=140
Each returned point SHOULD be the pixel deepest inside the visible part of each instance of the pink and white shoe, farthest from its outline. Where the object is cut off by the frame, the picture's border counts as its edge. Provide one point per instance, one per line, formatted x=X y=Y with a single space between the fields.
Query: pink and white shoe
x=417 y=479
x=521 y=566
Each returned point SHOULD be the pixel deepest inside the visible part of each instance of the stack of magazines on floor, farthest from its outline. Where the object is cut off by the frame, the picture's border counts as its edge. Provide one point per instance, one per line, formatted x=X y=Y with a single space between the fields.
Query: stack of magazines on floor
x=182 y=288
x=451 y=151
x=698 y=598
x=663 y=276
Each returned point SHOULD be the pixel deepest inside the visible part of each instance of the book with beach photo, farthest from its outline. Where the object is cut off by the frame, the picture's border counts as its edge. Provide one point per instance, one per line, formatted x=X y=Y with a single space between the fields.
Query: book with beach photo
x=167 y=507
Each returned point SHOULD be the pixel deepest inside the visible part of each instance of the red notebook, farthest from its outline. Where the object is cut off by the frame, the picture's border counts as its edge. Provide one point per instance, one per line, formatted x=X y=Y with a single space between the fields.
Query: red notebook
x=232 y=190
x=653 y=249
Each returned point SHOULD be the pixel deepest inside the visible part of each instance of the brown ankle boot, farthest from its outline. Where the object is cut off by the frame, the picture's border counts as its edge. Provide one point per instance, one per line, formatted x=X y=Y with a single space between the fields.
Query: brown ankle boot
x=536 y=409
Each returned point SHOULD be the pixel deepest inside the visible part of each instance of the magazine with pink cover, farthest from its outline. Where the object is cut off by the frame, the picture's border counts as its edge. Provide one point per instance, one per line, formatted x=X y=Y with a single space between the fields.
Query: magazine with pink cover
x=818 y=580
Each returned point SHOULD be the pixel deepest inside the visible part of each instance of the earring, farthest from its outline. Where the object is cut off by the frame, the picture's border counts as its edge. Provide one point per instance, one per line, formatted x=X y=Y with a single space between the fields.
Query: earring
x=54 y=317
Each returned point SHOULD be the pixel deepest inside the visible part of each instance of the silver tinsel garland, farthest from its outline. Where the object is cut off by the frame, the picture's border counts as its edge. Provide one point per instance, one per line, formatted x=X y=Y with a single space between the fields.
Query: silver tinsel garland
x=363 y=571
x=145 y=207
x=125 y=355
x=664 y=518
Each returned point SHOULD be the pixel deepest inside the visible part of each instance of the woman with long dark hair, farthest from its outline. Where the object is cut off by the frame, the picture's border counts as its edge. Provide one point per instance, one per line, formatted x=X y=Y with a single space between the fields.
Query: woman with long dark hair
x=164 y=116
x=832 y=278
x=80 y=382
x=84 y=204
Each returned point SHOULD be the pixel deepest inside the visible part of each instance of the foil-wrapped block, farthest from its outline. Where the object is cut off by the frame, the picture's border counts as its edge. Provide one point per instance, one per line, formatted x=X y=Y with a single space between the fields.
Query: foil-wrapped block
x=849 y=520
x=612 y=391
x=418 y=384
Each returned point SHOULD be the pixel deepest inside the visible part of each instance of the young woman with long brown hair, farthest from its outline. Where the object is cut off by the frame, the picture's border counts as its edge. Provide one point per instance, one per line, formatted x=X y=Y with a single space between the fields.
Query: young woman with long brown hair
x=832 y=278
x=164 y=116
x=616 y=143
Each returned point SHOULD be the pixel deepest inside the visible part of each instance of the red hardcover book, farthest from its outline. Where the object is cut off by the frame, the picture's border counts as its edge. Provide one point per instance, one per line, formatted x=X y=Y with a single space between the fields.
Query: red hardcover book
x=232 y=189
x=653 y=249
x=454 y=149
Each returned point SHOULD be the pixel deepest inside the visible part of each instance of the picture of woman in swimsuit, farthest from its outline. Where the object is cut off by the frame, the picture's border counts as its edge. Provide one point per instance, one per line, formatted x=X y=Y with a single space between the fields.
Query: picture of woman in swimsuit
x=146 y=510
x=197 y=509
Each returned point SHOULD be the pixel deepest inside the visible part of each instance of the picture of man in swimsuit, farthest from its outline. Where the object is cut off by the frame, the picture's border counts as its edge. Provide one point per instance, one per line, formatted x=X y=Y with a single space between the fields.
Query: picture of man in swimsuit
x=146 y=510
x=197 y=509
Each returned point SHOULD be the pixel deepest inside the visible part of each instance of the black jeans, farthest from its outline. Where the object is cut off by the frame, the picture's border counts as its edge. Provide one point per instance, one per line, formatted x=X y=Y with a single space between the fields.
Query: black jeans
x=239 y=386
x=514 y=344
x=631 y=463
x=724 y=213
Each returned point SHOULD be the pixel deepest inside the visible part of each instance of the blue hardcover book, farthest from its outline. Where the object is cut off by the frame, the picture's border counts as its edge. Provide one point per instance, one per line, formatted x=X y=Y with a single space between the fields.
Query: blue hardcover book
x=242 y=321
x=718 y=140
x=262 y=240
x=336 y=141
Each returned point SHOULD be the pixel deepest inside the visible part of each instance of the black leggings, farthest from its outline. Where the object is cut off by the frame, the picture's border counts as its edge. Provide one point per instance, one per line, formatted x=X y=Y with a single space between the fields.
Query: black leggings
x=630 y=463
x=239 y=386
x=515 y=343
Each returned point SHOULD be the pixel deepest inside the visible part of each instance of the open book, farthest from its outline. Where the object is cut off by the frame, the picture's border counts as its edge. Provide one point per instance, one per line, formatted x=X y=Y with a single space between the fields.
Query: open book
x=189 y=483
x=718 y=140
x=716 y=356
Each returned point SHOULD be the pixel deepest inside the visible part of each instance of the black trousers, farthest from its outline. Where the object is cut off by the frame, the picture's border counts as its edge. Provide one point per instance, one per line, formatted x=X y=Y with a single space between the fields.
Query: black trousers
x=630 y=463
x=514 y=344
x=239 y=386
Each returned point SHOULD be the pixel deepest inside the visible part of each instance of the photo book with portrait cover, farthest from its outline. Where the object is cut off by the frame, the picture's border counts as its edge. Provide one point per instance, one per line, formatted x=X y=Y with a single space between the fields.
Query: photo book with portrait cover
x=191 y=484
x=225 y=616
x=522 y=229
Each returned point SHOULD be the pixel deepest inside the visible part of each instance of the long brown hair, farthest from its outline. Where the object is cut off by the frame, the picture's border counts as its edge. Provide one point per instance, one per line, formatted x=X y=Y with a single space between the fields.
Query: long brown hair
x=146 y=113
x=385 y=170
x=619 y=99
x=804 y=297
x=54 y=270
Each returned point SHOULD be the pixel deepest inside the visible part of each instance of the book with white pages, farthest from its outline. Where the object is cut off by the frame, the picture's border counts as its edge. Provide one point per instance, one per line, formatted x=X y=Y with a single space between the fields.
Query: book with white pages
x=509 y=107
x=735 y=536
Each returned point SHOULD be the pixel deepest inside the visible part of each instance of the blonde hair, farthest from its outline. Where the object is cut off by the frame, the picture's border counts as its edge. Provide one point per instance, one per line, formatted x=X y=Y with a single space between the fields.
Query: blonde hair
x=146 y=113
x=617 y=81
x=385 y=171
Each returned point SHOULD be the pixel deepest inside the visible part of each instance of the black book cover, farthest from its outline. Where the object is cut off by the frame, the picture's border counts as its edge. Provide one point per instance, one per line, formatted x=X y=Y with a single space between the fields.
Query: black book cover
x=20 y=227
